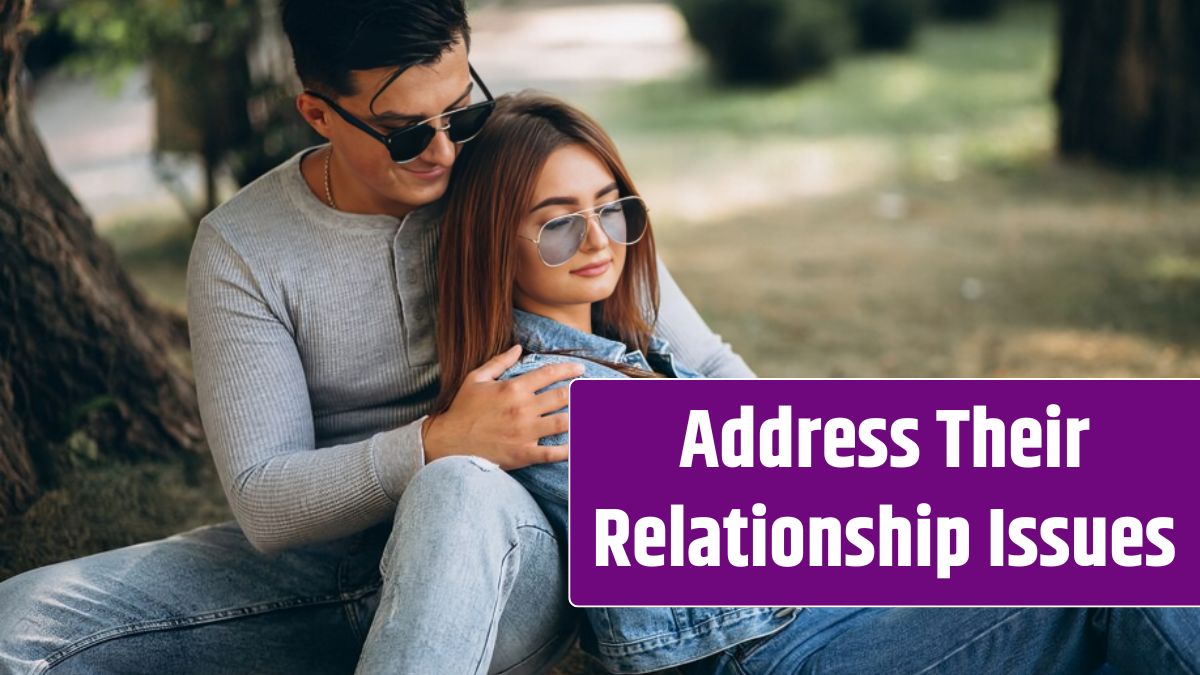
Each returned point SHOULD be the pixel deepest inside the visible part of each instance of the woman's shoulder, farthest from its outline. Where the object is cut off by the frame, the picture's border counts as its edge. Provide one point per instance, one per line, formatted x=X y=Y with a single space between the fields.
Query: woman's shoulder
x=535 y=360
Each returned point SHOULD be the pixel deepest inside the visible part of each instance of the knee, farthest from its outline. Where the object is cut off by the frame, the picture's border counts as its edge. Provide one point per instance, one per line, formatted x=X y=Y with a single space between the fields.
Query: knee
x=461 y=505
x=453 y=471
x=31 y=601
x=468 y=490
x=31 y=587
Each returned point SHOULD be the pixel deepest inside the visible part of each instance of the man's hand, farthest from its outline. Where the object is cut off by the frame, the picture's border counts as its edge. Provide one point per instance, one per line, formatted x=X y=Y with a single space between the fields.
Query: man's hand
x=502 y=421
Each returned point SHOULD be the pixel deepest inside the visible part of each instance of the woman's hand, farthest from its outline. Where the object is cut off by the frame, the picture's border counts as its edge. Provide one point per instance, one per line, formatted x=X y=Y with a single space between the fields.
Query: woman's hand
x=502 y=421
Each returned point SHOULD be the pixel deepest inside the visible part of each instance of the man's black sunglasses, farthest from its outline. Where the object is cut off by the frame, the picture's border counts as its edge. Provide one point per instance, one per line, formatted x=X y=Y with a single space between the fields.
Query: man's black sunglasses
x=405 y=145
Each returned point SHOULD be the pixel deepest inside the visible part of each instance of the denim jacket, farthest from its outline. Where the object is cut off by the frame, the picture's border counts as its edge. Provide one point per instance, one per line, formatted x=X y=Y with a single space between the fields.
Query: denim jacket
x=628 y=639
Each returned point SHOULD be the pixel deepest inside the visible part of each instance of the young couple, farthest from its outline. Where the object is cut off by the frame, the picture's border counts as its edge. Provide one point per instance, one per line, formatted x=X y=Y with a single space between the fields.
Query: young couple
x=399 y=481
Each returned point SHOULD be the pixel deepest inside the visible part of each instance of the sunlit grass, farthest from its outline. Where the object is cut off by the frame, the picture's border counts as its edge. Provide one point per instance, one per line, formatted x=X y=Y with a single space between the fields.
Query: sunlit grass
x=906 y=214
x=956 y=77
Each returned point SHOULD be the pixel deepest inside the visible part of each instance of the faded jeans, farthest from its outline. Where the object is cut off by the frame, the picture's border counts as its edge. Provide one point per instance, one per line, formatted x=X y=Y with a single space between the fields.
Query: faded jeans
x=467 y=578
x=977 y=640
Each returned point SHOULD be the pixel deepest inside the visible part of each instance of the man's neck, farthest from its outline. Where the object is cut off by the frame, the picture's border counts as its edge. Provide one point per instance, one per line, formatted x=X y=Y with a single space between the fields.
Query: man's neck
x=349 y=197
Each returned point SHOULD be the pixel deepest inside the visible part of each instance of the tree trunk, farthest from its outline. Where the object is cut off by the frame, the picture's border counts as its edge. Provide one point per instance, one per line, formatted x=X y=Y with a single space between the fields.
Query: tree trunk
x=1128 y=89
x=82 y=353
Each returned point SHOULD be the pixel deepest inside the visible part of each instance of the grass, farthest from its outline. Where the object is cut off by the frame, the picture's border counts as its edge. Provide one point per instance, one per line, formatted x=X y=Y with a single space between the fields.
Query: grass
x=906 y=215
x=109 y=505
x=957 y=77
x=903 y=216
x=155 y=253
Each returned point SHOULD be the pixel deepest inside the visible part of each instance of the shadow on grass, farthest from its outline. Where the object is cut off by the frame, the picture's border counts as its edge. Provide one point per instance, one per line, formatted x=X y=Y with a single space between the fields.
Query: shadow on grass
x=1118 y=284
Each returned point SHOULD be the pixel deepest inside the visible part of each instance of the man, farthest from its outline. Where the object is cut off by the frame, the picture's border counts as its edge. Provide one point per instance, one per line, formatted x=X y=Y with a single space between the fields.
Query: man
x=364 y=527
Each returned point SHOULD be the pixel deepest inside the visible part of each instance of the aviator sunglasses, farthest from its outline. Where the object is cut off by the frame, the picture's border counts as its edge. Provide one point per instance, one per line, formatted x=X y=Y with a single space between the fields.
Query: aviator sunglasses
x=405 y=145
x=623 y=220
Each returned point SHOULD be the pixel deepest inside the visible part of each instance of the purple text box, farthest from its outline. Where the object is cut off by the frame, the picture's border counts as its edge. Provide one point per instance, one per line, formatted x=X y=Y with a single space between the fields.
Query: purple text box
x=1138 y=459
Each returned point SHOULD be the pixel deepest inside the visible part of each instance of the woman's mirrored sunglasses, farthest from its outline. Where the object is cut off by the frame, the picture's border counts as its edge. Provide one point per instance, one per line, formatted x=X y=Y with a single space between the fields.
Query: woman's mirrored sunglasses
x=623 y=220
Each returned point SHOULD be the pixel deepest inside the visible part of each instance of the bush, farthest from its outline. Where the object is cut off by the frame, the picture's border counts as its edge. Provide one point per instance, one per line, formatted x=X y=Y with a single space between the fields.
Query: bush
x=767 y=41
x=967 y=9
x=886 y=24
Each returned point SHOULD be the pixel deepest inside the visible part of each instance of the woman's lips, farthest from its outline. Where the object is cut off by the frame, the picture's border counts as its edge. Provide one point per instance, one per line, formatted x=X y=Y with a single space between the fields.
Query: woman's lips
x=430 y=174
x=594 y=270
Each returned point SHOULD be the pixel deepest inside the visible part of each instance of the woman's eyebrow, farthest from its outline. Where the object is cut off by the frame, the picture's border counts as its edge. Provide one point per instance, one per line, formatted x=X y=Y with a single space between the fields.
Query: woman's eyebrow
x=400 y=117
x=571 y=201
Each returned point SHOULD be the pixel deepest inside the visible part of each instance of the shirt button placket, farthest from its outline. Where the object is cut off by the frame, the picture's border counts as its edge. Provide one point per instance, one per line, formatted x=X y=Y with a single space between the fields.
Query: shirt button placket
x=411 y=296
x=398 y=267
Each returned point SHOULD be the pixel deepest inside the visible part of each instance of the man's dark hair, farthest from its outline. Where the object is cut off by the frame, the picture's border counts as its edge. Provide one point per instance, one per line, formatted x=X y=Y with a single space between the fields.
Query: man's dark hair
x=330 y=38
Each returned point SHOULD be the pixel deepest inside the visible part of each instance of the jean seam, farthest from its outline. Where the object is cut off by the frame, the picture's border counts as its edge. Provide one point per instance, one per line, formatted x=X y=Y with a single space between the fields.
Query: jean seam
x=742 y=656
x=973 y=639
x=351 y=609
x=497 y=608
x=217 y=616
x=538 y=651
x=1172 y=649
x=652 y=642
x=749 y=652
x=539 y=528
x=344 y=570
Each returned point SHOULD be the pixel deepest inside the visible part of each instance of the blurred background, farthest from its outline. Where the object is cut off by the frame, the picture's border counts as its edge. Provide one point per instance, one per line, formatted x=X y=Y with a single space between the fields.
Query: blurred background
x=847 y=188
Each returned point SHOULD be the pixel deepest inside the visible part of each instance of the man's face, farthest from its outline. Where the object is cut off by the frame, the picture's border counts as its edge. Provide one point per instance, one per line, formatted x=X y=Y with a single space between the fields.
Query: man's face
x=376 y=182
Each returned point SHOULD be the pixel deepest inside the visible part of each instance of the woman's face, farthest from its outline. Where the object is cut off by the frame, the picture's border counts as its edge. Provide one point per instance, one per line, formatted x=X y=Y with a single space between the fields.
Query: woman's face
x=573 y=179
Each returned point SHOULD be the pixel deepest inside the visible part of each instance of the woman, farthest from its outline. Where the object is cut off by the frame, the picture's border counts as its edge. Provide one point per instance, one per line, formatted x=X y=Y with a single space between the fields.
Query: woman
x=565 y=290
x=545 y=241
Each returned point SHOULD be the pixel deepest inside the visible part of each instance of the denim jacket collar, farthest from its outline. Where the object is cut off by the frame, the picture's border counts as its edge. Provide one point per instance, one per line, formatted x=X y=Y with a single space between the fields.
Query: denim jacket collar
x=537 y=333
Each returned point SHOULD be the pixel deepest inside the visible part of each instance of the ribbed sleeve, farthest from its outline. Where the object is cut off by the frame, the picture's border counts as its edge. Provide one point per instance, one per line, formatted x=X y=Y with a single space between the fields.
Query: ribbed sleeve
x=254 y=402
x=691 y=340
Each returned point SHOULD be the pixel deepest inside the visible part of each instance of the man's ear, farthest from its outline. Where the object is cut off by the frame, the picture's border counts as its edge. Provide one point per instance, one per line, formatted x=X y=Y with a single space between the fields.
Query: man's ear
x=314 y=111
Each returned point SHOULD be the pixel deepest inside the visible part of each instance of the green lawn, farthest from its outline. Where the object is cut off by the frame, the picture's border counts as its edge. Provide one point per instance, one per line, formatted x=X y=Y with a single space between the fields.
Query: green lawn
x=907 y=216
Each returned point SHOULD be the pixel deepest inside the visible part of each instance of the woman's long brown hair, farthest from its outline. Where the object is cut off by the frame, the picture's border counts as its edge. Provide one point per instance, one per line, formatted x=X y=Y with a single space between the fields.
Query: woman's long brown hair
x=491 y=190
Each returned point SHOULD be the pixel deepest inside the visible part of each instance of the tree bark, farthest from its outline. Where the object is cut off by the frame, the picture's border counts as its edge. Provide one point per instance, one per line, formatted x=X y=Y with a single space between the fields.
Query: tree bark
x=1128 y=89
x=82 y=353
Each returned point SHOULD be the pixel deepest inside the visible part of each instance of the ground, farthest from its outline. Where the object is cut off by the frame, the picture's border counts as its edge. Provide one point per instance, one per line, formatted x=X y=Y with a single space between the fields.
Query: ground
x=905 y=216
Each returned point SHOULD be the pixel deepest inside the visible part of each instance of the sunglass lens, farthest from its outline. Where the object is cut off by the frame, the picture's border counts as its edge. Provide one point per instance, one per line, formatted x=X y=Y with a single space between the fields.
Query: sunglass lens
x=561 y=238
x=624 y=221
x=408 y=144
x=466 y=124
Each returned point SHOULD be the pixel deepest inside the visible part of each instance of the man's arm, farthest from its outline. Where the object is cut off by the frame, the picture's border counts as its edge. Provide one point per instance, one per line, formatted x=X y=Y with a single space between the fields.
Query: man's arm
x=691 y=340
x=253 y=398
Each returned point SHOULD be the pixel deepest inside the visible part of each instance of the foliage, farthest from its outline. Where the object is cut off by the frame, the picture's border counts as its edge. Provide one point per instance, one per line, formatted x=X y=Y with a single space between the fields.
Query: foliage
x=886 y=24
x=132 y=31
x=209 y=101
x=767 y=41
x=967 y=9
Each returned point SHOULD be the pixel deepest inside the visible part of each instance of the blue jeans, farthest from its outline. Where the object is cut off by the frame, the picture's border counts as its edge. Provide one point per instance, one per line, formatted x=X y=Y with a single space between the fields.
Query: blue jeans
x=467 y=578
x=907 y=641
